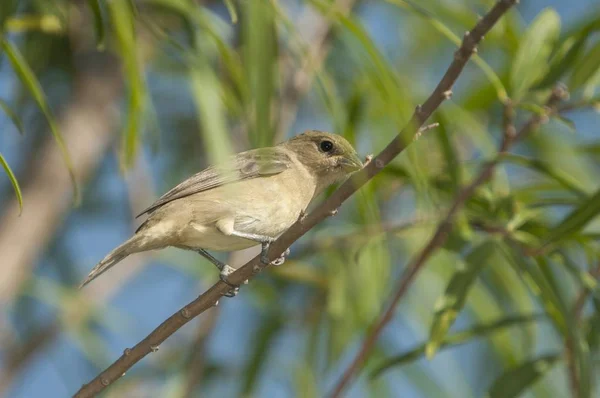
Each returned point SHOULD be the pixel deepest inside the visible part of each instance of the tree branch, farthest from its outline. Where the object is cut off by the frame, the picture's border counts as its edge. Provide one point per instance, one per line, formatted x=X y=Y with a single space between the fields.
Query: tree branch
x=211 y=297
x=196 y=364
x=439 y=237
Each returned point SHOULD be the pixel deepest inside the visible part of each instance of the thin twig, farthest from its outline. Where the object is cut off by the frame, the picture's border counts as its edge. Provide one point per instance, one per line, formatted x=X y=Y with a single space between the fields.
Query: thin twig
x=211 y=297
x=439 y=237
x=572 y=368
x=583 y=295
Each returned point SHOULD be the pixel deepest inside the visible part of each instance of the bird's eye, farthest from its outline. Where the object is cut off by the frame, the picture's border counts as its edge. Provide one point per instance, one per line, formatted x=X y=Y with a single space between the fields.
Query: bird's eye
x=326 y=146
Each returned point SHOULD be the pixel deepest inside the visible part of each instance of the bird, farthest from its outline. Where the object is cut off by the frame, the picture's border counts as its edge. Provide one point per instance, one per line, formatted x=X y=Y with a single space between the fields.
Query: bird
x=249 y=199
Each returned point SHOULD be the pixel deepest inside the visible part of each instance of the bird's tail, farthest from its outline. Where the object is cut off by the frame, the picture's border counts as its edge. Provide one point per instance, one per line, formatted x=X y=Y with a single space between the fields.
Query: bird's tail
x=133 y=245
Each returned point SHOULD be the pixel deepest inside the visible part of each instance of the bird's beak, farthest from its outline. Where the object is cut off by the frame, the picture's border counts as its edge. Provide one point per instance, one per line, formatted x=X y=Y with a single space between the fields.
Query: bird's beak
x=351 y=162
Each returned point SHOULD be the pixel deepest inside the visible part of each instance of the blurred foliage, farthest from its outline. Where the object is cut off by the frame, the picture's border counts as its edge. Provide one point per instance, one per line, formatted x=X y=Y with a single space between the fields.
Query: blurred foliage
x=206 y=78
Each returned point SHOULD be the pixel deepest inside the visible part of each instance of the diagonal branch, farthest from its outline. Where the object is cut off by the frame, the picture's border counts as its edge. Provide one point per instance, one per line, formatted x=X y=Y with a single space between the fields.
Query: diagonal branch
x=439 y=237
x=211 y=297
x=195 y=368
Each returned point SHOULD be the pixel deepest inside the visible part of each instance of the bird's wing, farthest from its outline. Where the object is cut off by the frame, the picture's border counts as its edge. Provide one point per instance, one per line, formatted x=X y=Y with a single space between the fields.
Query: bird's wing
x=243 y=166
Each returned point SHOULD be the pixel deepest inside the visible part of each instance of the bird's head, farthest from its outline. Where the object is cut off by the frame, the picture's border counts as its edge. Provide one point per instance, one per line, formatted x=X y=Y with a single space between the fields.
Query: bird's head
x=328 y=157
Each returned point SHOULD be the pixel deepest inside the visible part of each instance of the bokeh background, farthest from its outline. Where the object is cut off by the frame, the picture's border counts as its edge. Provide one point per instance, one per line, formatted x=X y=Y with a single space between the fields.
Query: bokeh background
x=145 y=93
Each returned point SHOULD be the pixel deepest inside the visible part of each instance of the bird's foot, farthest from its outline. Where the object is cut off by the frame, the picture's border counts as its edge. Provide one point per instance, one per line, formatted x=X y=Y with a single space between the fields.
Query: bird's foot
x=264 y=253
x=281 y=259
x=223 y=275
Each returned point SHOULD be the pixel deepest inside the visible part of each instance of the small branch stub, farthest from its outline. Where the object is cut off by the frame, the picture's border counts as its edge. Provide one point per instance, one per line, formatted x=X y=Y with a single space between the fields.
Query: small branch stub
x=424 y=129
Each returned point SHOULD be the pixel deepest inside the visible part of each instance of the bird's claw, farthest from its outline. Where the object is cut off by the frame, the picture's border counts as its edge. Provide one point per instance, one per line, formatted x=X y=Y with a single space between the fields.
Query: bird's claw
x=281 y=259
x=223 y=276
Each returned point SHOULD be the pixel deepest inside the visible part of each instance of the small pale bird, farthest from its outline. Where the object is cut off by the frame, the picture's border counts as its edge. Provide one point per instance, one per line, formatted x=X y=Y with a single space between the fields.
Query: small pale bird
x=251 y=199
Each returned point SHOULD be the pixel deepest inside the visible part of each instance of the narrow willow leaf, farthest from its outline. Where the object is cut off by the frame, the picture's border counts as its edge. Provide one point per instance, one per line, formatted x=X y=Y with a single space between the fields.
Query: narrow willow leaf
x=12 y=116
x=456 y=339
x=13 y=181
x=99 y=29
x=454 y=167
x=576 y=220
x=593 y=334
x=587 y=70
x=581 y=351
x=122 y=16
x=566 y=55
x=8 y=8
x=260 y=61
x=531 y=61
x=381 y=75
x=29 y=80
x=207 y=96
x=586 y=279
x=568 y=123
x=514 y=381
x=540 y=286
x=544 y=284
x=231 y=9
x=305 y=381
x=564 y=179
x=49 y=24
x=451 y=303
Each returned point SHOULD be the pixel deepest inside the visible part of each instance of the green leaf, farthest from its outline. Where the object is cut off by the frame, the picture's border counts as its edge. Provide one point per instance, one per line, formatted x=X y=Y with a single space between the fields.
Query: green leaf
x=29 y=80
x=13 y=181
x=451 y=303
x=305 y=381
x=98 y=23
x=586 y=71
x=568 y=123
x=576 y=220
x=207 y=96
x=12 y=115
x=531 y=61
x=593 y=334
x=231 y=9
x=516 y=380
x=566 y=55
x=8 y=8
x=122 y=17
x=456 y=339
x=260 y=61
x=564 y=179
x=587 y=280
x=537 y=280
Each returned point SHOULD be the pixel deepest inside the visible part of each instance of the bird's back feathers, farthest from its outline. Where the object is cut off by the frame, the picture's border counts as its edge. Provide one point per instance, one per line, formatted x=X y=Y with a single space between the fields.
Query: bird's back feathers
x=245 y=165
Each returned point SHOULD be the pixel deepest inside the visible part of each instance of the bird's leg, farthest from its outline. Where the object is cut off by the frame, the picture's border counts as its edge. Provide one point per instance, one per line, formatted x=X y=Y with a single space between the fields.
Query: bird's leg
x=265 y=242
x=219 y=264
x=225 y=271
